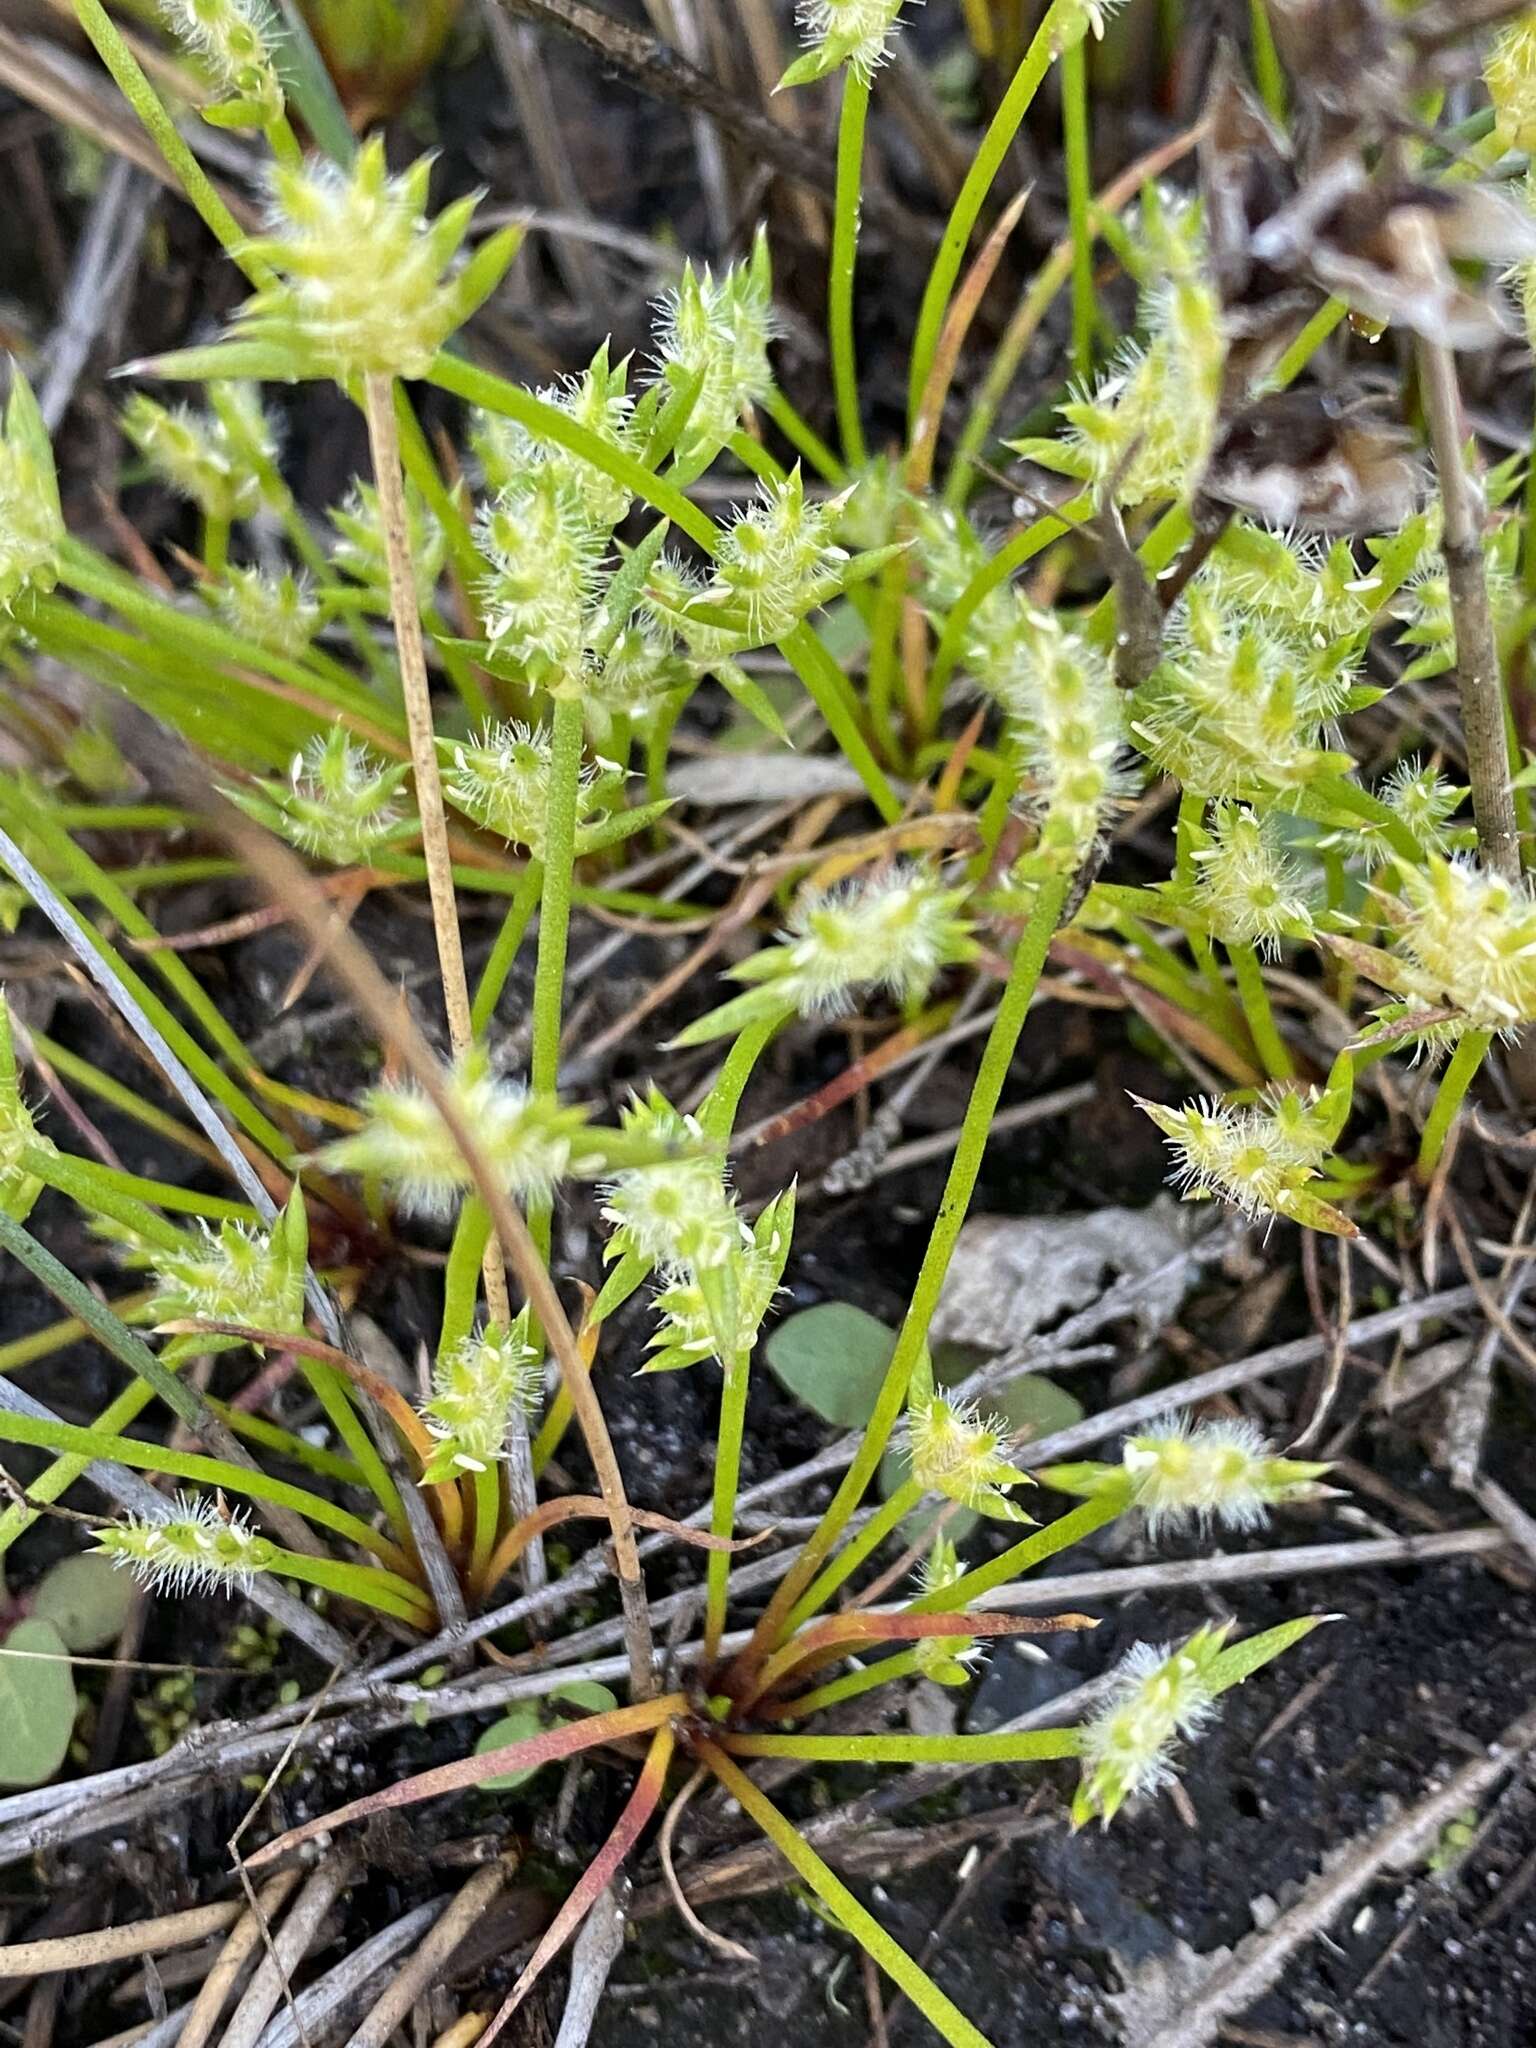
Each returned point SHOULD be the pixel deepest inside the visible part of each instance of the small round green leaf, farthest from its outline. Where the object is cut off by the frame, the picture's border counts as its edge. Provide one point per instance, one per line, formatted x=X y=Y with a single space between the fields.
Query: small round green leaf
x=87 y=1599
x=527 y=1718
x=37 y=1703
x=832 y=1358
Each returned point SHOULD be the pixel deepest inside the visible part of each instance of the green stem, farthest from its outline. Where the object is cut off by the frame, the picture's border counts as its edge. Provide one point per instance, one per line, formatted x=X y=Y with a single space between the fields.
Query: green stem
x=215 y=545
x=555 y=918
x=1022 y=1557
x=887 y=1517
x=487 y=1491
x=503 y=955
x=845 y=239
x=722 y=1515
x=985 y=165
x=1454 y=1083
x=1030 y=1746
x=865 y=1678
x=1266 y=62
x=1076 y=147
x=941 y=2012
x=997 y=1058
x=332 y=1390
x=461 y=1278
x=1273 y=1052
x=93 y=1185
x=369 y=1585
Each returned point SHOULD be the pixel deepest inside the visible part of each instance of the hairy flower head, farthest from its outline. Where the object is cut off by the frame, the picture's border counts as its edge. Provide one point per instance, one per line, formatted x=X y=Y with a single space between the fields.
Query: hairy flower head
x=365 y=284
x=1246 y=885
x=1510 y=76
x=947 y=1660
x=598 y=400
x=676 y=1213
x=195 y=453
x=1159 y=1695
x=1467 y=939
x=279 y=613
x=532 y=1142
x=1235 y=710
x=717 y=330
x=956 y=1452
x=1182 y=1471
x=1262 y=1157
x=838 y=32
x=477 y=1386
x=229 y=1273
x=776 y=562
x=1067 y=720
x=235 y=39
x=717 y=1311
x=359 y=548
x=340 y=803
x=198 y=1549
x=500 y=778
x=545 y=555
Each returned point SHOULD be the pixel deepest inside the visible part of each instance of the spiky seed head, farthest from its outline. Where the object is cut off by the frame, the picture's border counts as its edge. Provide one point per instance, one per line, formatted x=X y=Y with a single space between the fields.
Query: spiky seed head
x=365 y=284
x=1262 y=1157
x=359 y=549
x=279 y=613
x=197 y=454
x=545 y=556
x=1222 y=1472
x=340 y=802
x=677 y=1213
x=839 y=32
x=1510 y=75
x=477 y=1386
x=1248 y=887
x=532 y=1142
x=956 y=1451
x=776 y=562
x=236 y=40
x=718 y=331
x=1468 y=940
x=894 y=931
x=200 y=1548
x=598 y=400
x=500 y=778
x=718 y=1311
x=1159 y=1695
x=1067 y=723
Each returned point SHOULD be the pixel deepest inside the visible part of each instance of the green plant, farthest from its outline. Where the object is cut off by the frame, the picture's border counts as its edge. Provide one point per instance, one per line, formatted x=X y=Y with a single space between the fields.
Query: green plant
x=578 y=607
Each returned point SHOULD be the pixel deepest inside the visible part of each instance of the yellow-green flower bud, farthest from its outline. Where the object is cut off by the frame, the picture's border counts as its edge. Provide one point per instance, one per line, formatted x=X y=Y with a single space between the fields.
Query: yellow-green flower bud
x=199 y=1549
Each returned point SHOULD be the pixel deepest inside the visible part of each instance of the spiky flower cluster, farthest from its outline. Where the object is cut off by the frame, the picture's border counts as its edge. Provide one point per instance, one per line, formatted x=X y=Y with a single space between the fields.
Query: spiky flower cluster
x=1159 y=1695
x=1424 y=603
x=717 y=1311
x=532 y=1142
x=851 y=32
x=1247 y=888
x=198 y=1549
x=193 y=453
x=599 y=401
x=947 y=1660
x=1510 y=75
x=1312 y=592
x=895 y=930
x=340 y=802
x=364 y=284
x=1262 y=1156
x=545 y=555
x=956 y=1452
x=500 y=778
x=1234 y=710
x=235 y=40
x=279 y=613
x=359 y=549
x=1223 y=1472
x=31 y=523
x=1466 y=939
x=477 y=1385
x=1420 y=799
x=776 y=562
x=1067 y=720
x=230 y=1274
x=717 y=331
x=18 y=1135
x=676 y=1213
x=638 y=673
x=1072 y=20
x=1145 y=429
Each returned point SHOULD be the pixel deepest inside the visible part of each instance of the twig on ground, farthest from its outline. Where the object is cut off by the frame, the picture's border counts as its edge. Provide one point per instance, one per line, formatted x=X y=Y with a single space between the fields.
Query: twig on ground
x=595 y=1951
x=426 y=1966
x=287 y=1949
x=207 y=2008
